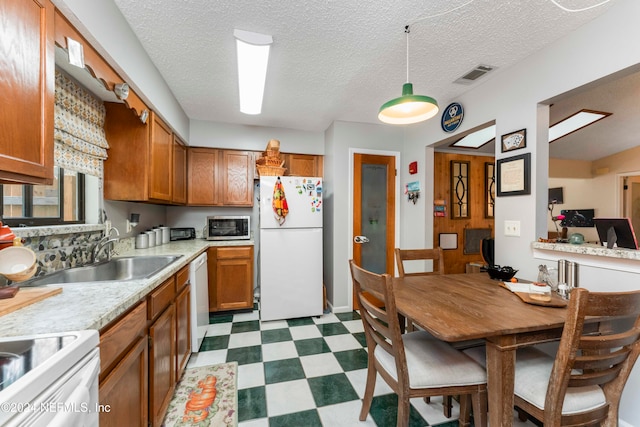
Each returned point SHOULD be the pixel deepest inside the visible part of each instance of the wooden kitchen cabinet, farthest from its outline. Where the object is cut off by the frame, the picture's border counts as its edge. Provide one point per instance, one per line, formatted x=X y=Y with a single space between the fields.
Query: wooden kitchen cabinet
x=27 y=84
x=140 y=163
x=124 y=390
x=123 y=370
x=144 y=353
x=303 y=164
x=183 y=322
x=230 y=270
x=220 y=177
x=179 y=195
x=162 y=362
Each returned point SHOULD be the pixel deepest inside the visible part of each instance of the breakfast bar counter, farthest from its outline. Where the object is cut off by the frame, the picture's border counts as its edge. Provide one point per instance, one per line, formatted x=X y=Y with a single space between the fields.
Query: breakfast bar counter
x=93 y=305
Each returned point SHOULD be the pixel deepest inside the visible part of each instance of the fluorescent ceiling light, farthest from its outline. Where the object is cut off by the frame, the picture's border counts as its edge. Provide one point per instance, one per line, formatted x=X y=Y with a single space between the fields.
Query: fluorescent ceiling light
x=581 y=119
x=253 y=57
x=477 y=139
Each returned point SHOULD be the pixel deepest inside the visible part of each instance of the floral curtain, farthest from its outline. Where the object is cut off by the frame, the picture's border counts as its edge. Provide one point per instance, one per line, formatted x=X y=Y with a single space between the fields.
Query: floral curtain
x=79 y=139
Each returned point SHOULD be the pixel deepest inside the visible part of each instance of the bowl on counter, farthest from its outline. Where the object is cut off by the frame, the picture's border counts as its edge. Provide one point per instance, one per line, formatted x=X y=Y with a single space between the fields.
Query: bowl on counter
x=17 y=263
x=497 y=272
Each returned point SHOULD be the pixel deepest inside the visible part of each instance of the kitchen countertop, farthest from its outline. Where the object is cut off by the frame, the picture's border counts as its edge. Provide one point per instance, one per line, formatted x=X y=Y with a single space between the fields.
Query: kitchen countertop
x=93 y=305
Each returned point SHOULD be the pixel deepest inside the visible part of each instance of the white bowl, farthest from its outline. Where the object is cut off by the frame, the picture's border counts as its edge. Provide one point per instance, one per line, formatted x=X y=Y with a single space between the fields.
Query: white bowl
x=17 y=263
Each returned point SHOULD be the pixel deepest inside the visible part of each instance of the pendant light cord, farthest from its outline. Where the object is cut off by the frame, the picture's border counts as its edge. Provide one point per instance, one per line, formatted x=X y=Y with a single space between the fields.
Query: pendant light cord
x=406 y=30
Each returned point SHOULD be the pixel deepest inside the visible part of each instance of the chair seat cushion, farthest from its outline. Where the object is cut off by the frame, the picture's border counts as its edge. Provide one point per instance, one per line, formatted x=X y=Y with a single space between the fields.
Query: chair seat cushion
x=432 y=363
x=533 y=369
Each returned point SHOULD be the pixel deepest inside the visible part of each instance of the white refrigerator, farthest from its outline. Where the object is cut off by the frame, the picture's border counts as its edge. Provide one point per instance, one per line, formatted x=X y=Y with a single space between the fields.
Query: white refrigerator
x=291 y=249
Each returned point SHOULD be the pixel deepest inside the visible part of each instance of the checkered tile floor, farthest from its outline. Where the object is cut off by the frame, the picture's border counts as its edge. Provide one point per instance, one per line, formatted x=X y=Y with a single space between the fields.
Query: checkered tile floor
x=305 y=372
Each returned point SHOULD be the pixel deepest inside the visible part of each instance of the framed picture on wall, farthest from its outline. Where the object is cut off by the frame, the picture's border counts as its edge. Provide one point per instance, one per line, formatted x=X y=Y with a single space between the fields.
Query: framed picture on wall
x=514 y=175
x=514 y=140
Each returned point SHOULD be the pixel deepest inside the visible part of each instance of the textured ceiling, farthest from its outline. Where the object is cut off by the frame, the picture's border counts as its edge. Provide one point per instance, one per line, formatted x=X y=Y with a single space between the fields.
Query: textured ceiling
x=338 y=60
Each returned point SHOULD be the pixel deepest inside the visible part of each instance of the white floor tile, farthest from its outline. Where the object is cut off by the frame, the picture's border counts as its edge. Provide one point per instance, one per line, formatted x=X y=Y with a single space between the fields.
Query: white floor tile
x=358 y=380
x=260 y=422
x=354 y=326
x=250 y=375
x=280 y=401
x=344 y=415
x=245 y=339
x=304 y=332
x=279 y=351
x=326 y=318
x=245 y=317
x=218 y=329
x=342 y=342
x=274 y=324
x=206 y=358
x=317 y=365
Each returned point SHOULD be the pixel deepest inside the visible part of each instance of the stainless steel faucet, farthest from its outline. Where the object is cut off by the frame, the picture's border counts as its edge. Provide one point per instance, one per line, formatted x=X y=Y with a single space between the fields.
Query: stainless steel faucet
x=105 y=242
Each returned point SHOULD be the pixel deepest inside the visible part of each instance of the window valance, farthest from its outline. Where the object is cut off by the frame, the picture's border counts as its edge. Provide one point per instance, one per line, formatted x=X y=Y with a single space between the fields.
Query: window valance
x=79 y=137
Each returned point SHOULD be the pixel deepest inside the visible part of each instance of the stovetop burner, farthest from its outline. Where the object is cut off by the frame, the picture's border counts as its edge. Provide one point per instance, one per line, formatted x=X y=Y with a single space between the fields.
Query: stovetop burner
x=19 y=357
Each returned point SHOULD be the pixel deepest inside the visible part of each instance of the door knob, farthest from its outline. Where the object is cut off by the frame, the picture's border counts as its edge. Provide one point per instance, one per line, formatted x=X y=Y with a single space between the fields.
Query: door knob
x=361 y=239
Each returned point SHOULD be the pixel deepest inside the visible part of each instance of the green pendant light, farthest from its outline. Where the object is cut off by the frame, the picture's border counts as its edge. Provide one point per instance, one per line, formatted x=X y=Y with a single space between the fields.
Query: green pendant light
x=408 y=108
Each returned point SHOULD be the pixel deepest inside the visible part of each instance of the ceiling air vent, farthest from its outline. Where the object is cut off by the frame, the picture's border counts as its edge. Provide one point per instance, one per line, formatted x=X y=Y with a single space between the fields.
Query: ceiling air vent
x=475 y=74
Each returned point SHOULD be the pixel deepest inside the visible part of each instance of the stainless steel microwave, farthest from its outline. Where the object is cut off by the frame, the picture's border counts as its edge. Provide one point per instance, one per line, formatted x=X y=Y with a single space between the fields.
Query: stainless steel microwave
x=228 y=228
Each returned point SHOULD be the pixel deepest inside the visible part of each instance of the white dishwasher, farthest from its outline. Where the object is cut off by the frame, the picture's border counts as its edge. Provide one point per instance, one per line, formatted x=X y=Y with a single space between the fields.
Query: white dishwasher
x=199 y=300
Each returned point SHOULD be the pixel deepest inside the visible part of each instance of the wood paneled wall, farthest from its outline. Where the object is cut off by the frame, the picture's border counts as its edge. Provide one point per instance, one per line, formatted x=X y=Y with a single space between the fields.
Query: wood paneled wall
x=455 y=260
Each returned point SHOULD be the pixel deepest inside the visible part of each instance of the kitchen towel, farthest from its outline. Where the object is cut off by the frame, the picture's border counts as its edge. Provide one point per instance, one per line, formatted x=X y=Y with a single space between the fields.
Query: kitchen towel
x=279 y=203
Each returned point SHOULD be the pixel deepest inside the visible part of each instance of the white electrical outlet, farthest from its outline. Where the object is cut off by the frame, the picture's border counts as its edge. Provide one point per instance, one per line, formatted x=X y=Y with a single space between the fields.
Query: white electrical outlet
x=512 y=228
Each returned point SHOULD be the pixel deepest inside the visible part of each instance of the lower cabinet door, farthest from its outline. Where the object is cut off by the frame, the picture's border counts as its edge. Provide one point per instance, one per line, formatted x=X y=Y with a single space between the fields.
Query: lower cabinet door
x=123 y=393
x=162 y=364
x=183 y=330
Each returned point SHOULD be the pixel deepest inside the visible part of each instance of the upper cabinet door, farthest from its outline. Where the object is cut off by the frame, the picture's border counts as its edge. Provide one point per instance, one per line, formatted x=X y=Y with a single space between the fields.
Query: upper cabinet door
x=237 y=178
x=26 y=91
x=161 y=161
x=179 y=171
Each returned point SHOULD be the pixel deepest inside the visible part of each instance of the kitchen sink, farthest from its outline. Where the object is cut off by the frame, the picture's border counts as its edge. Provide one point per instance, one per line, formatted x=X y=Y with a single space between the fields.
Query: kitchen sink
x=117 y=269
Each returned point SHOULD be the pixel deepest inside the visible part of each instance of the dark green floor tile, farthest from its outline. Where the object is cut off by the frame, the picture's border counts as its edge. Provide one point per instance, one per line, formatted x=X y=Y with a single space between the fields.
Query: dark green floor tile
x=308 y=418
x=332 y=389
x=283 y=370
x=362 y=339
x=276 y=335
x=252 y=403
x=311 y=346
x=384 y=411
x=220 y=318
x=215 y=343
x=303 y=321
x=353 y=315
x=245 y=355
x=327 y=329
x=350 y=360
x=250 y=326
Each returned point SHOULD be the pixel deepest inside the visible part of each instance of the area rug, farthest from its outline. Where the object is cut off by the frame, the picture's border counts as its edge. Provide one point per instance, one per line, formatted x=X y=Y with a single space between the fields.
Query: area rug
x=206 y=396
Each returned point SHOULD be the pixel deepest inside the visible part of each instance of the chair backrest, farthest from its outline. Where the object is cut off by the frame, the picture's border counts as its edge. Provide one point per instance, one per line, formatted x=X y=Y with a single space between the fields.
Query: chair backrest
x=434 y=254
x=604 y=357
x=381 y=323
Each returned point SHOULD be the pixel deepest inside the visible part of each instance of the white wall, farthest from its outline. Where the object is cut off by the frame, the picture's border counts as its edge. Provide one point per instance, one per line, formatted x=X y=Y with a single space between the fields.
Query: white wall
x=342 y=138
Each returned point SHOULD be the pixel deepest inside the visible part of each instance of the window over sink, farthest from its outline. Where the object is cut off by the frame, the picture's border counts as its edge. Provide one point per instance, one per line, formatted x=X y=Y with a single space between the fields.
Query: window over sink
x=36 y=205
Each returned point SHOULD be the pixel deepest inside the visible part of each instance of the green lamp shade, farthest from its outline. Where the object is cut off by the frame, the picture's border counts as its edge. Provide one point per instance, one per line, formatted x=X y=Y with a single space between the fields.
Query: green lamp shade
x=408 y=108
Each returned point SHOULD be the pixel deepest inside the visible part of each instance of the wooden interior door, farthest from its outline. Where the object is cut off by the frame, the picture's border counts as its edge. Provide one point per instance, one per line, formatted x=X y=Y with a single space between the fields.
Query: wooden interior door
x=374 y=196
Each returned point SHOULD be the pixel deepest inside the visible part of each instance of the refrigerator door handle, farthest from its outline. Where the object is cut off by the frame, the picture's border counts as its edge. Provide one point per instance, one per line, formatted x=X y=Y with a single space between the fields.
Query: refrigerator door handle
x=361 y=239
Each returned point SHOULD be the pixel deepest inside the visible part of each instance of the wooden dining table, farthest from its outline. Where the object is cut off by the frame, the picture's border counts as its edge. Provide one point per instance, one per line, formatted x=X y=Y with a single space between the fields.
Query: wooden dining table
x=461 y=307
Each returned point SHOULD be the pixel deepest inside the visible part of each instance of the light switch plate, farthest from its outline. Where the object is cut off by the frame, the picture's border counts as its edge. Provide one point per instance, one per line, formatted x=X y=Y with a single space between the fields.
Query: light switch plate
x=512 y=228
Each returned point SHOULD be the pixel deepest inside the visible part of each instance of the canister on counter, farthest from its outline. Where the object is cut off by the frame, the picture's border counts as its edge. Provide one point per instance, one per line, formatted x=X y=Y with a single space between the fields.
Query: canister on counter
x=142 y=241
x=166 y=234
x=152 y=237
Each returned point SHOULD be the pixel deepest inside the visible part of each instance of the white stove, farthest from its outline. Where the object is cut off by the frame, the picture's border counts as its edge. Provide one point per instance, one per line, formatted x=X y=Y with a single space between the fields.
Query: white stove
x=50 y=379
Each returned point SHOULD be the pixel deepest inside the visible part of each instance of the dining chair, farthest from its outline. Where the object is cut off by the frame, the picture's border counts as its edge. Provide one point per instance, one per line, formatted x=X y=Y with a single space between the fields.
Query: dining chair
x=413 y=364
x=435 y=254
x=583 y=383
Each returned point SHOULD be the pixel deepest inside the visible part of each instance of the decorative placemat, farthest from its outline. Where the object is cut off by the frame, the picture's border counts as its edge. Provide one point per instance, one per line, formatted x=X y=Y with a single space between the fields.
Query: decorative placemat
x=206 y=396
